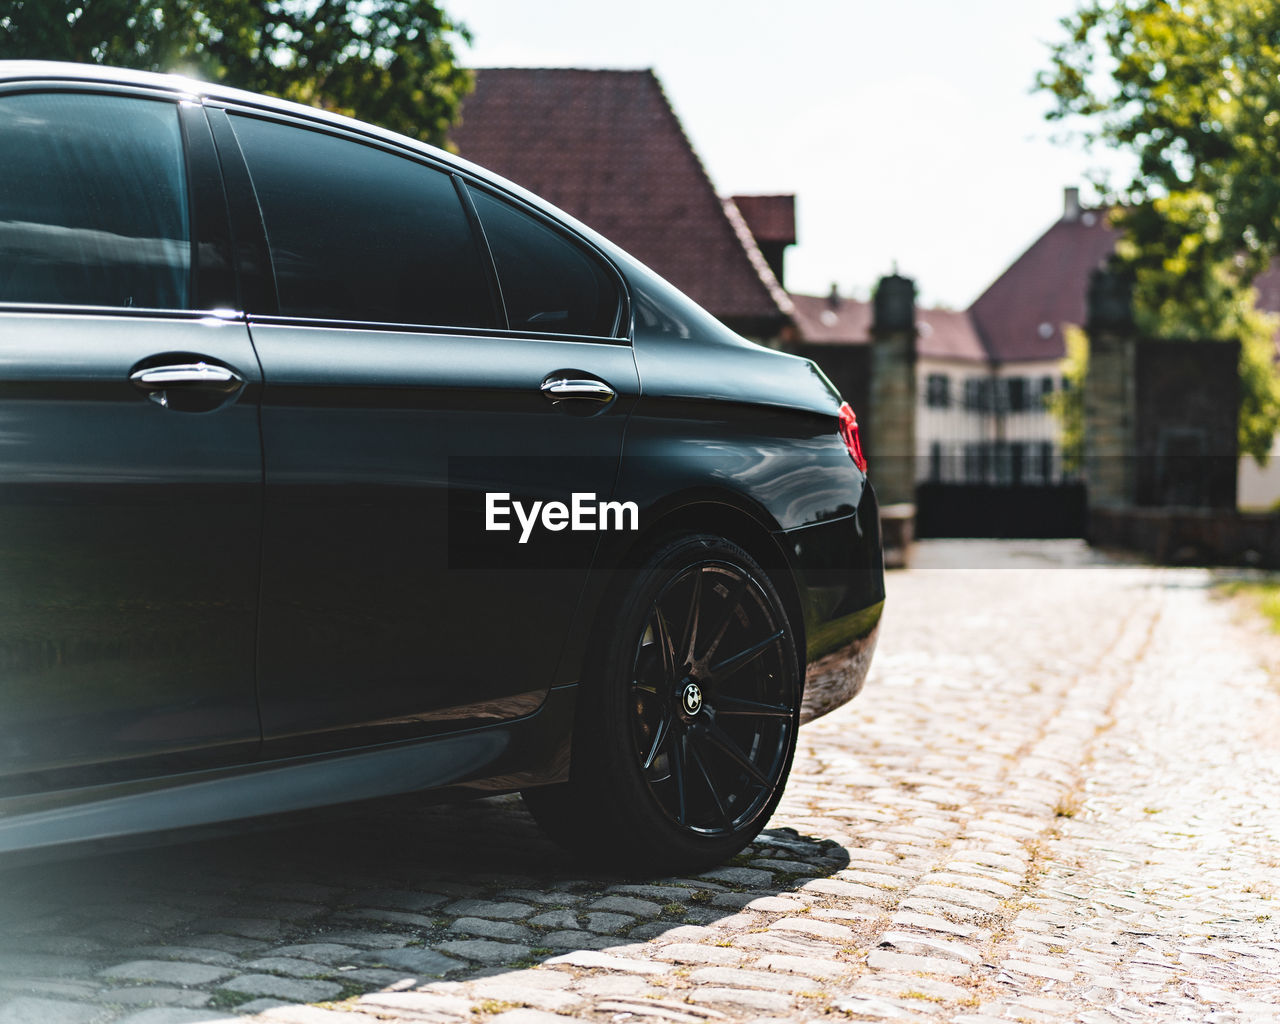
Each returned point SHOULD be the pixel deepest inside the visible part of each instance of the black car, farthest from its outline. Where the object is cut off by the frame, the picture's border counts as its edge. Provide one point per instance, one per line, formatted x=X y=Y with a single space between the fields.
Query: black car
x=334 y=467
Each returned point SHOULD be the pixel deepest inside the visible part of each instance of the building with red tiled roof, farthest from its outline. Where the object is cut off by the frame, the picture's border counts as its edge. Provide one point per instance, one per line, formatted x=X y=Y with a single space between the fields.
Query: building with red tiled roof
x=835 y=320
x=984 y=374
x=606 y=147
x=977 y=420
x=1020 y=317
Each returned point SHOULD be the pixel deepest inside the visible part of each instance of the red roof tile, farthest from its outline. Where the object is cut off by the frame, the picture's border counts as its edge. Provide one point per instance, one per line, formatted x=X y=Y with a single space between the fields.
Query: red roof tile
x=1020 y=317
x=606 y=147
x=820 y=321
x=940 y=333
x=948 y=334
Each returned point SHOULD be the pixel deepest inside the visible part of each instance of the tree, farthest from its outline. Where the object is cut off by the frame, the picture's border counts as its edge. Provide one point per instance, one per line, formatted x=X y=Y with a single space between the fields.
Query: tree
x=1192 y=88
x=1068 y=404
x=387 y=61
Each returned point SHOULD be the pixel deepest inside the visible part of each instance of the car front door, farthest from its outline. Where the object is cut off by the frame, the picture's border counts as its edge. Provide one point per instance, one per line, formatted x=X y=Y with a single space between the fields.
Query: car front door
x=400 y=391
x=130 y=456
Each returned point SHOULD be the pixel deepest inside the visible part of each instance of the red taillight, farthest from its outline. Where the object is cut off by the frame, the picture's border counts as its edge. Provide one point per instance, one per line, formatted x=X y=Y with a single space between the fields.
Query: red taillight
x=849 y=434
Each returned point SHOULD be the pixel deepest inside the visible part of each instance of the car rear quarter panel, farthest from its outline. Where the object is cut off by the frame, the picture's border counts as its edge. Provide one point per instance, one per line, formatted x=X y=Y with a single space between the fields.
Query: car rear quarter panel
x=732 y=437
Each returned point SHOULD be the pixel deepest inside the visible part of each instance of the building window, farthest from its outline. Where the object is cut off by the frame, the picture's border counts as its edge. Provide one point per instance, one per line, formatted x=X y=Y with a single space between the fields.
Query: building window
x=937 y=391
x=1019 y=464
x=1004 y=463
x=1017 y=389
x=975 y=463
x=977 y=394
x=1046 y=461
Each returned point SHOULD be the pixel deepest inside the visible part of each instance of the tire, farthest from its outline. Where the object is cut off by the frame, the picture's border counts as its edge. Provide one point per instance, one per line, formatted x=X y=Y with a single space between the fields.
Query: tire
x=685 y=734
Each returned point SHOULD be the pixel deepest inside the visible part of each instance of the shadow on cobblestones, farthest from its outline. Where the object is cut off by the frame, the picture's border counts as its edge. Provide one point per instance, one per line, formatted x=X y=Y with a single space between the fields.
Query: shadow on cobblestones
x=387 y=897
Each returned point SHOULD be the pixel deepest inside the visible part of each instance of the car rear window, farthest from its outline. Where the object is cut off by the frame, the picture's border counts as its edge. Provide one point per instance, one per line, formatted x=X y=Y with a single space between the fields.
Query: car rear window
x=93 y=202
x=358 y=233
x=549 y=283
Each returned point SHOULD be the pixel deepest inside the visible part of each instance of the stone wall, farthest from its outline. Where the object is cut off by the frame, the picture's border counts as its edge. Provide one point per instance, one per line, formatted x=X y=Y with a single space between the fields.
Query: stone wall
x=1189 y=536
x=1187 y=402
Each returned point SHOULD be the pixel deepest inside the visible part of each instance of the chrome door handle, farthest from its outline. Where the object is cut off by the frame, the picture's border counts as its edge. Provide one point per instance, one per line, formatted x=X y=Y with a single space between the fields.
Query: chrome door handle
x=558 y=389
x=206 y=375
x=198 y=378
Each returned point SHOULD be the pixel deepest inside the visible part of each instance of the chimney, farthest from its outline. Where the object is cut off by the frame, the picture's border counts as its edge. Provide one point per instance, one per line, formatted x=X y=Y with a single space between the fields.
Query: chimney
x=772 y=222
x=1071 y=204
x=833 y=297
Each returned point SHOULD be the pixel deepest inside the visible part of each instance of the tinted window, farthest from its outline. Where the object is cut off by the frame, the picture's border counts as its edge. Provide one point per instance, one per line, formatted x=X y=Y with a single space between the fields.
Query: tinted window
x=357 y=233
x=548 y=282
x=93 y=202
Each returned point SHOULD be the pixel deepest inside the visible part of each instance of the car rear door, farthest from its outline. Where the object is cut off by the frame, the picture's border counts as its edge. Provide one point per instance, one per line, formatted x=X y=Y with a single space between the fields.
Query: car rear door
x=130 y=456
x=399 y=393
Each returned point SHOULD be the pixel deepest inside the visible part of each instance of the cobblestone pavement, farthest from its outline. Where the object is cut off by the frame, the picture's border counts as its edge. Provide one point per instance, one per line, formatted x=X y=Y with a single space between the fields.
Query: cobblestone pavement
x=1057 y=800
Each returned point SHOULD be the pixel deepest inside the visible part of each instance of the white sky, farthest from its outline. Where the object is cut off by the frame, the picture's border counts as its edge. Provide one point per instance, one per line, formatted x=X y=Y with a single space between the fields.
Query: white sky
x=907 y=128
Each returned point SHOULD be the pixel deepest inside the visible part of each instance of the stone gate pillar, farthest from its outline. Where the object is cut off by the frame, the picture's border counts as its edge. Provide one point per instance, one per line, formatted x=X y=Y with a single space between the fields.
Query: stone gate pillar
x=1109 y=393
x=891 y=434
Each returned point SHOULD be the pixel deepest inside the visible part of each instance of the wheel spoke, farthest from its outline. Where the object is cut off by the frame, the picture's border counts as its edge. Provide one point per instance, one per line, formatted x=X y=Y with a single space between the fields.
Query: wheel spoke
x=659 y=739
x=750 y=708
x=722 y=742
x=690 y=636
x=733 y=663
x=662 y=636
x=733 y=603
x=678 y=777
x=725 y=820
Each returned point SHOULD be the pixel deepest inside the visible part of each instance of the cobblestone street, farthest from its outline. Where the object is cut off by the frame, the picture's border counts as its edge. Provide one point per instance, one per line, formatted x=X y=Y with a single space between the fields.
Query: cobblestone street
x=1058 y=799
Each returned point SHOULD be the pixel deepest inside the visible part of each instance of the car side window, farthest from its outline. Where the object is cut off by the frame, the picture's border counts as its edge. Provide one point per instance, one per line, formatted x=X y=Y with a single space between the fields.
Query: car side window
x=93 y=202
x=549 y=283
x=358 y=233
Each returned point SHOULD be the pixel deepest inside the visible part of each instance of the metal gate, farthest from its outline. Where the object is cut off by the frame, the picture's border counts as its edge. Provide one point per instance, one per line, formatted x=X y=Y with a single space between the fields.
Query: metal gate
x=996 y=510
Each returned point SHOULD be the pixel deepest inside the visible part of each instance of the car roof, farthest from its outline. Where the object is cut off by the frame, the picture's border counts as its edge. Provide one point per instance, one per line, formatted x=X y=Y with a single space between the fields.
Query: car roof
x=59 y=71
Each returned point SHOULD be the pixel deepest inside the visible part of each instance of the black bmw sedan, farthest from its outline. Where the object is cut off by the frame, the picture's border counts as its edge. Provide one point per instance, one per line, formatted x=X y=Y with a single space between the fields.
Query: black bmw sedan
x=334 y=467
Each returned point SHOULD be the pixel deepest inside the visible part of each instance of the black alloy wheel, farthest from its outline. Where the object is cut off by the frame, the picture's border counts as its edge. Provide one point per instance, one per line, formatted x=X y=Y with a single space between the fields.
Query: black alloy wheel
x=684 y=743
x=713 y=708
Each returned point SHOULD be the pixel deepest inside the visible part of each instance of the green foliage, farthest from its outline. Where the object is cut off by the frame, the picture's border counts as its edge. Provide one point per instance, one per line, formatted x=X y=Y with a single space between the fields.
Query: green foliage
x=386 y=61
x=1192 y=88
x=1265 y=594
x=1068 y=404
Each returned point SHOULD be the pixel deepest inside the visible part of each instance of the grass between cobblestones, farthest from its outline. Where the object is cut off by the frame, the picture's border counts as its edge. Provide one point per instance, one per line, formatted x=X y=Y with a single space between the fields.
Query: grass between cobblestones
x=227 y=999
x=1263 y=594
